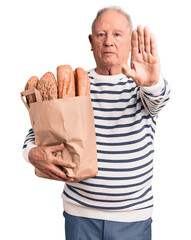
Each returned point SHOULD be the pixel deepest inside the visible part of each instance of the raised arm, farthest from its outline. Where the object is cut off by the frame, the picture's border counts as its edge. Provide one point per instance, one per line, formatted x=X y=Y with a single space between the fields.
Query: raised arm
x=145 y=71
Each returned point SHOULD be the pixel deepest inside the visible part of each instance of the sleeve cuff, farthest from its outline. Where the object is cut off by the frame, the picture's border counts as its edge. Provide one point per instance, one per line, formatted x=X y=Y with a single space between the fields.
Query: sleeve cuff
x=157 y=88
x=26 y=150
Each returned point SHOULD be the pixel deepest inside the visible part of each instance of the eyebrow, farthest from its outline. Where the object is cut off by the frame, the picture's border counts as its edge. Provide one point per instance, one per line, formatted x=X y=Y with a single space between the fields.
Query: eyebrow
x=115 y=30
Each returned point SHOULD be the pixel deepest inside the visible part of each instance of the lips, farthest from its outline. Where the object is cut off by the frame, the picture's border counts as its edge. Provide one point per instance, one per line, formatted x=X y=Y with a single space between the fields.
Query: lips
x=108 y=53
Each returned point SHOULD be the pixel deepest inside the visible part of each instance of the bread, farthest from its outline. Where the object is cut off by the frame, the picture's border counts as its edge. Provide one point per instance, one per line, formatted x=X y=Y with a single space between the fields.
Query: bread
x=82 y=82
x=70 y=84
x=32 y=82
x=66 y=82
x=47 y=87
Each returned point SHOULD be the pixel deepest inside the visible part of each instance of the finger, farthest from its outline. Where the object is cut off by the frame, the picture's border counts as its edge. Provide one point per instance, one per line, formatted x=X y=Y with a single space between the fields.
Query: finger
x=51 y=175
x=56 y=148
x=63 y=163
x=55 y=177
x=153 y=45
x=127 y=71
x=147 y=40
x=140 y=38
x=134 y=43
x=60 y=174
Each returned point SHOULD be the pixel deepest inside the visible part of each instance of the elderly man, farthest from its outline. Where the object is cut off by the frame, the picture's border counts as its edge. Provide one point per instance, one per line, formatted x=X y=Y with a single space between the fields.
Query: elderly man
x=116 y=204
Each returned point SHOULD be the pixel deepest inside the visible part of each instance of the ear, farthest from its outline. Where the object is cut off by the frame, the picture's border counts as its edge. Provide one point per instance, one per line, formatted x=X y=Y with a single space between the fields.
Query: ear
x=91 y=41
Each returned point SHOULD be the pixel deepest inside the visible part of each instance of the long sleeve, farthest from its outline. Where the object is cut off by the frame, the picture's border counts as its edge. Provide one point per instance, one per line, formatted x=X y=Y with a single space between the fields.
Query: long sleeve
x=28 y=144
x=154 y=98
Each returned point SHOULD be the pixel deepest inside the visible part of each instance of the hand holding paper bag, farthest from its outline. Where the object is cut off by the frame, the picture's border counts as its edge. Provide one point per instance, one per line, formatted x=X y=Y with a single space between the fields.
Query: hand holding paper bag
x=44 y=159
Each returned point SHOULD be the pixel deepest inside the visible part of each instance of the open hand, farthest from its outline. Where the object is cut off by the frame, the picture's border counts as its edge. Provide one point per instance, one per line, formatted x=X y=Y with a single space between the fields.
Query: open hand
x=145 y=63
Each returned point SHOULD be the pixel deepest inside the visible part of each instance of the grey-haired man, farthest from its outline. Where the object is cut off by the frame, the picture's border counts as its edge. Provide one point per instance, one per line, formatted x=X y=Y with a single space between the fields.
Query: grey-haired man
x=116 y=204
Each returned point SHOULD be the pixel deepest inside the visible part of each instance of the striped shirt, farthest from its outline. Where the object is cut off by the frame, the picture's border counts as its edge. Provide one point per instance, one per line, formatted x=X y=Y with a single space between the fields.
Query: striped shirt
x=125 y=117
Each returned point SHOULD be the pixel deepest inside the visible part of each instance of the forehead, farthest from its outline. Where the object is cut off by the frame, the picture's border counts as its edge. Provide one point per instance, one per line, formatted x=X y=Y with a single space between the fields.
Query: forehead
x=111 y=20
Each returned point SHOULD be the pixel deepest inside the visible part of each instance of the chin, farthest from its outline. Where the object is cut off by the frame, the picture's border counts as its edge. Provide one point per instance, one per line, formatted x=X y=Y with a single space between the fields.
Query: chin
x=110 y=63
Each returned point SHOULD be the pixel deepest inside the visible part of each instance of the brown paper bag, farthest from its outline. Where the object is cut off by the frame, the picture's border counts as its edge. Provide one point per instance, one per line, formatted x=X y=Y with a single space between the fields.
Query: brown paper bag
x=70 y=121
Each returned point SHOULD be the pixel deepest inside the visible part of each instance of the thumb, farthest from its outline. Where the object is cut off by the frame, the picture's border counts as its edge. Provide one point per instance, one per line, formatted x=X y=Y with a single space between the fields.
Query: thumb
x=127 y=70
x=56 y=148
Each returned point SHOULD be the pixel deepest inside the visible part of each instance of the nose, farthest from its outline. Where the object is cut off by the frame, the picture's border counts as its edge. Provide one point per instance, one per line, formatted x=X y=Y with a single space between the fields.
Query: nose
x=108 y=41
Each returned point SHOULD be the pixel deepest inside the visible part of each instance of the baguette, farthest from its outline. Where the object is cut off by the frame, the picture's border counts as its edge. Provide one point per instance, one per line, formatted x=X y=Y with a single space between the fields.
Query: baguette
x=47 y=87
x=82 y=82
x=32 y=82
x=66 y=82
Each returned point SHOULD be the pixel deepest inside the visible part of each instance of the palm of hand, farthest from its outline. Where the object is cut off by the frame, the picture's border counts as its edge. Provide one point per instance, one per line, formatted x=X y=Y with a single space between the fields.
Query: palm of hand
x=145 y=63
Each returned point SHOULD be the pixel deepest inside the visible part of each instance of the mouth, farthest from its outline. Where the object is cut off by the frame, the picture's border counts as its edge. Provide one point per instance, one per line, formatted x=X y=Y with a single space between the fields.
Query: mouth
x=108 y=53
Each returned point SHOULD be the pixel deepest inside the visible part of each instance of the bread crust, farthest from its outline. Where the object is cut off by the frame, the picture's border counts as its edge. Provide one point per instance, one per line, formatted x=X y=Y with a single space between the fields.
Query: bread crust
x=66 y=82
x=47 y=87
x=82 y=82
x=32 y=82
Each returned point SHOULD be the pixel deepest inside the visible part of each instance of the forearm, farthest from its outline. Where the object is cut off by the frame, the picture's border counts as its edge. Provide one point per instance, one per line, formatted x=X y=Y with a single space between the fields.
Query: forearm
x=29 y=143
x=154 y=98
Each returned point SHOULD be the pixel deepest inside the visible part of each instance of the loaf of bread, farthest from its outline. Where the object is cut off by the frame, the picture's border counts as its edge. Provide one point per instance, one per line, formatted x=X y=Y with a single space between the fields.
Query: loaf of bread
x=82 y=82
x=32 y=82
x=70 y=84
x=47 y=87
x=66 y=82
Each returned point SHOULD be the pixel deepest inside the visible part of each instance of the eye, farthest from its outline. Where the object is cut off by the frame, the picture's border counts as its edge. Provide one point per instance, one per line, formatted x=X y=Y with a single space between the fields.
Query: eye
x=117 y=34
x=101 y=35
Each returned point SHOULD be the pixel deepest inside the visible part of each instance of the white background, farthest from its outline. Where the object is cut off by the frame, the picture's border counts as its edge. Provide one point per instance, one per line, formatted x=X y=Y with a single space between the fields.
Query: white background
x=39 y=35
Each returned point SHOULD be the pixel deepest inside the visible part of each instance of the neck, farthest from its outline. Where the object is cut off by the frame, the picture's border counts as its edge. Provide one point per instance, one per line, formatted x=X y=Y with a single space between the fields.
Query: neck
x=108 y=70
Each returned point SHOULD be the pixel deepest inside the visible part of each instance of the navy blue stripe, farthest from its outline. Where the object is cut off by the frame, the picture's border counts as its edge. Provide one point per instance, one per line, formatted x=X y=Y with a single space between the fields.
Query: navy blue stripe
x=30 y=133
x=108 y=208
x=90 y=76
x=123 y=178
x=31 y=137
x=117 y=109
x=125 y=134
x=125 y=169
x=104 y=193
x=104 y=200
x=123 y=125
x=166 y=99
x=31 y=130
x=120 y=117
x=116 y=186
x=29 y=140
x=154 y=103
x=152 y=129
x=98 y=84
x=113 y=92
x=125 y=143
x=153 y=120
x=24 y=146
x=162 y=93
x=127 y=160
x=150 y=206
x=151 y=95
x=126 y=151
x=102 y=100
x=145 y=103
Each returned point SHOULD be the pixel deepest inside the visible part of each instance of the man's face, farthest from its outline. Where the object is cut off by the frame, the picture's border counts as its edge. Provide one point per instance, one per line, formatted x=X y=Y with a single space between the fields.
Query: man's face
x=111 y=39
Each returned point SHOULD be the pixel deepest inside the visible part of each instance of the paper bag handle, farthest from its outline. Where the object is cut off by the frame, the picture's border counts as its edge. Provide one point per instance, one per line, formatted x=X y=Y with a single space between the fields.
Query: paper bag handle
x=28 y=92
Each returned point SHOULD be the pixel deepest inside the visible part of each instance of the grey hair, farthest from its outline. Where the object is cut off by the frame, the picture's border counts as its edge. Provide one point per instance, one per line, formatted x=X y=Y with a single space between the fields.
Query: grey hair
x=117 y=9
